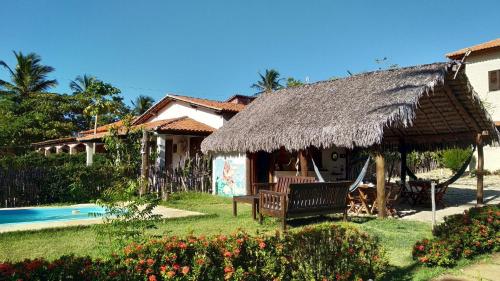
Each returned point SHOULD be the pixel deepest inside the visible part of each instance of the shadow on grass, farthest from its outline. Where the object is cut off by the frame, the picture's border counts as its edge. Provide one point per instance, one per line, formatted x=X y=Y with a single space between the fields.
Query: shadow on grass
x=300 y=222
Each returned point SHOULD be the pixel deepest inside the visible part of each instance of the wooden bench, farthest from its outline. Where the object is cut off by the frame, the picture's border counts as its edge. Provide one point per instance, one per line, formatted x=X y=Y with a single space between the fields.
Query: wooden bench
x=305 y=199
x=253 y=197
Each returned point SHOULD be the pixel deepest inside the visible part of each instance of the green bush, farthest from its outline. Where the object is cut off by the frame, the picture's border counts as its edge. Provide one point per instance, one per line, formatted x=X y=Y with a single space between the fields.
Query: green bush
x=325 y=252
x=454 y=158
x=60 y=178
x=475 y=232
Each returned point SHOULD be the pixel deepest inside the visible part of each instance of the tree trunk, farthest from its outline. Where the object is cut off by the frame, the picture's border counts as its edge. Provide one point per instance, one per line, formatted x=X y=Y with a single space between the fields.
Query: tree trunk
x=380 y=162
x=144 y=163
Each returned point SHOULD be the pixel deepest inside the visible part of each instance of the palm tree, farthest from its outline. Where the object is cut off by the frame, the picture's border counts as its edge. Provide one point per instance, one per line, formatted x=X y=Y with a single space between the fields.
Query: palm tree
x=270 y=81
x=28 y=77
x=80 y=84
x=142 y=103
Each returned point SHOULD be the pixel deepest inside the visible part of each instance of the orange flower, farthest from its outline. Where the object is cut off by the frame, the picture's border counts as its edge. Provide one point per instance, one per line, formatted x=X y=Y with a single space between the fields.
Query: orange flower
x=227 y=254
x=171 y=273
x=185 y=270
x=424 y=259
x=182 y=245
x=163 y=269
x=228 y=269
x=152 y=278
x=262 y=245
x=150 y=262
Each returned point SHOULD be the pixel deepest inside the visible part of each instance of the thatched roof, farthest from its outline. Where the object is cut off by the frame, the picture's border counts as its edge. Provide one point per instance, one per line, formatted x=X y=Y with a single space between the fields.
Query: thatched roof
x=424 y=105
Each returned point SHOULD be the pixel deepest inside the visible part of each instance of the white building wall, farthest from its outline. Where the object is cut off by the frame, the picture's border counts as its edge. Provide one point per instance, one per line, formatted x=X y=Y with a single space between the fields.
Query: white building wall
x=477 y=67
x=178 y=109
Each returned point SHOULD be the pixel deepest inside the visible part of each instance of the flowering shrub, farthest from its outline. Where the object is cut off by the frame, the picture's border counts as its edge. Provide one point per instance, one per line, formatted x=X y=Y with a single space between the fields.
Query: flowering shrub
x=325 y=252
x=465 y=235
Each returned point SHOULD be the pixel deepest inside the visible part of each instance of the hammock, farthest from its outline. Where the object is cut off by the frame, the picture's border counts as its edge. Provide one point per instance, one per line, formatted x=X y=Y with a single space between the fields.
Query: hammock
x=355 y=184
x=453 y=178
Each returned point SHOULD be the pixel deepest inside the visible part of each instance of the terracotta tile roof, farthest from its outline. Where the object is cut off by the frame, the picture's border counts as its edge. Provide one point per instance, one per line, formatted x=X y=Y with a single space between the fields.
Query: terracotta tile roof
x=54 y=142
x=497 y=123
x=480 y=47
x=216 y=105
x=219 y=105
x=186 y=125
x=103 y=128
x=176 y=125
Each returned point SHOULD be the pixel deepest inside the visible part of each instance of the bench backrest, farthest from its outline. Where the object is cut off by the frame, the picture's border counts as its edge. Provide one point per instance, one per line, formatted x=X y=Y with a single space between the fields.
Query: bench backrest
x=284 y=182
x=320 y=196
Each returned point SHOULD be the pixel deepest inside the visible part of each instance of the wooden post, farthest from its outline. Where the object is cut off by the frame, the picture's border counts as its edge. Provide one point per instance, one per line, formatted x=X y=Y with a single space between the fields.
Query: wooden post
x=272 y=161
x=144 y=162
x=402 y=151
x=380 y=163
x=480 y=170
x=303 y=162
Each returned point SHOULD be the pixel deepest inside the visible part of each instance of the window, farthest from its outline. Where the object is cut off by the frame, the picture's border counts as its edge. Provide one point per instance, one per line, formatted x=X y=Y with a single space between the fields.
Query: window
x=494 y=80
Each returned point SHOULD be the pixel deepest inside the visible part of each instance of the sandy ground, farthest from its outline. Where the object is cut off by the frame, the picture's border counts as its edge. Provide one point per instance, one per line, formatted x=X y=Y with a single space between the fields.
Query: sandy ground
x=460 y=196
x=160 y=210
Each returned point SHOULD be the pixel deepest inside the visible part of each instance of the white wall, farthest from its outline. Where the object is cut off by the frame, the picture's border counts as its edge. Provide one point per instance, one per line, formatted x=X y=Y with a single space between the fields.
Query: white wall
x=177 y=109
x=477 y=67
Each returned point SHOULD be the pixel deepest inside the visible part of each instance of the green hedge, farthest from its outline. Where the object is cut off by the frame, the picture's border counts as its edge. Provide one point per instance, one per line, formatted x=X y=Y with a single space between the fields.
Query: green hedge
x=34 y=179
x=475 y=232
x=325 y=252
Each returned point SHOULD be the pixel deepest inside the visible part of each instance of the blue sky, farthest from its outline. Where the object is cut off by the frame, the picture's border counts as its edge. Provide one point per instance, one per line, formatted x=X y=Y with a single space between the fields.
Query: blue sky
x=215 y=48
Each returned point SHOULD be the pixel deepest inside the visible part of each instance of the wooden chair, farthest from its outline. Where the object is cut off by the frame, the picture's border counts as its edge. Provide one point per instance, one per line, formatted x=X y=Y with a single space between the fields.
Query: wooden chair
x=393 y=195
x=305 y=199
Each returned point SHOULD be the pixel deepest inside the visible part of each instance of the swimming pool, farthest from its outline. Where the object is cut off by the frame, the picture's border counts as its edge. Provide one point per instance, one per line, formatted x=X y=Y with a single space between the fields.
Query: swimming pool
x=48 y=214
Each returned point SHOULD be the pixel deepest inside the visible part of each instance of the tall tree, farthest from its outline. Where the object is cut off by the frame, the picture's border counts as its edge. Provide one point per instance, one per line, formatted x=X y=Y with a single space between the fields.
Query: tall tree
x=268 y=82
x=28 y=77
x=80 y=84
x=292 y=82
x=141 y=104
x=102 y=98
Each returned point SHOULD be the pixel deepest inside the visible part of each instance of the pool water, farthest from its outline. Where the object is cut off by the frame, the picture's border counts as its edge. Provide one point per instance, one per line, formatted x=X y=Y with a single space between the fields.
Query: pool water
x=43 y=214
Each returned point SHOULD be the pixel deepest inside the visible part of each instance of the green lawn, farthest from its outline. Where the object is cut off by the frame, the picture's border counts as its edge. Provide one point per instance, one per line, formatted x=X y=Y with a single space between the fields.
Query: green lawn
x=396 y=236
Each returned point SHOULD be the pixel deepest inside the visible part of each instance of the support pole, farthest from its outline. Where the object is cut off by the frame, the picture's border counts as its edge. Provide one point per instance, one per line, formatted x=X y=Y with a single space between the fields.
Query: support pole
x=272 y=159
x=144 y=163
x=480 y=170
x=380 y=162
x=303 y=162
x=402 y=151
x=89 y=149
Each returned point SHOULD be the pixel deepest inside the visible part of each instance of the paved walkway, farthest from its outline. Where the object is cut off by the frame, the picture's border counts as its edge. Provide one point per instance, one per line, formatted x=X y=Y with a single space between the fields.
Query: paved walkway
x=485 y=271
x=460 y=196
x=165 y=212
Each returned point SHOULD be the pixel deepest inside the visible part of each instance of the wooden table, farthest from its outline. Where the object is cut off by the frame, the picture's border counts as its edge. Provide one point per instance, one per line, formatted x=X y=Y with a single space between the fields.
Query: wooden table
x=250 y=199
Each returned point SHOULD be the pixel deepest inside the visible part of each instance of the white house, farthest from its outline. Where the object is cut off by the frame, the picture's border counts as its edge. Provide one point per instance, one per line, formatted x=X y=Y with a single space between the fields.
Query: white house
x=482 y=67
x=179 y=124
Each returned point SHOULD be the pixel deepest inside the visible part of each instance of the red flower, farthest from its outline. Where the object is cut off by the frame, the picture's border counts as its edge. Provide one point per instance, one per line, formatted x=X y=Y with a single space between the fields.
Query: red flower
x=152 y=278
x=424 y=259
x=227 y=254
x=163 y=269
x=228 y=269
x=421 y=248
x=176 y=266
x=182 y=245
x=185 y=270
x=150 y=262
x=200 y=261
x=262 y=245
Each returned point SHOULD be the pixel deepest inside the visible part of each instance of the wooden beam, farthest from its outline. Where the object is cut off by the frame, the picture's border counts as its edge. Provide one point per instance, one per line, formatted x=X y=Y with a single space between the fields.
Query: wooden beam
x=480 y=170
x=440 y=114
x=460 y=108
x=380 y=163
x=429 y=121
x=303 y=162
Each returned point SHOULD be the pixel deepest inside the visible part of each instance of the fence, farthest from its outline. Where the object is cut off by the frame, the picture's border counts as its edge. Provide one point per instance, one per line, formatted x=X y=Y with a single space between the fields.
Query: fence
x=20 y=187
x=194 y=174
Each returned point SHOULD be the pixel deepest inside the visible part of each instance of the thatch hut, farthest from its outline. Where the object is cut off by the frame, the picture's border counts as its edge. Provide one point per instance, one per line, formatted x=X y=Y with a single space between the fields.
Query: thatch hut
x=423 y=107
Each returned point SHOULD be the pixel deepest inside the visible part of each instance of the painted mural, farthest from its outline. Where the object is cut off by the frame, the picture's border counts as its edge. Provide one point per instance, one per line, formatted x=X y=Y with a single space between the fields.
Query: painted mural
x=229 y=175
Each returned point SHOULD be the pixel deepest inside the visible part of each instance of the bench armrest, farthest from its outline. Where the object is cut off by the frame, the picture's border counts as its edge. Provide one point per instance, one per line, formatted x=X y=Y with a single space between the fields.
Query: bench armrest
x=272 y=201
